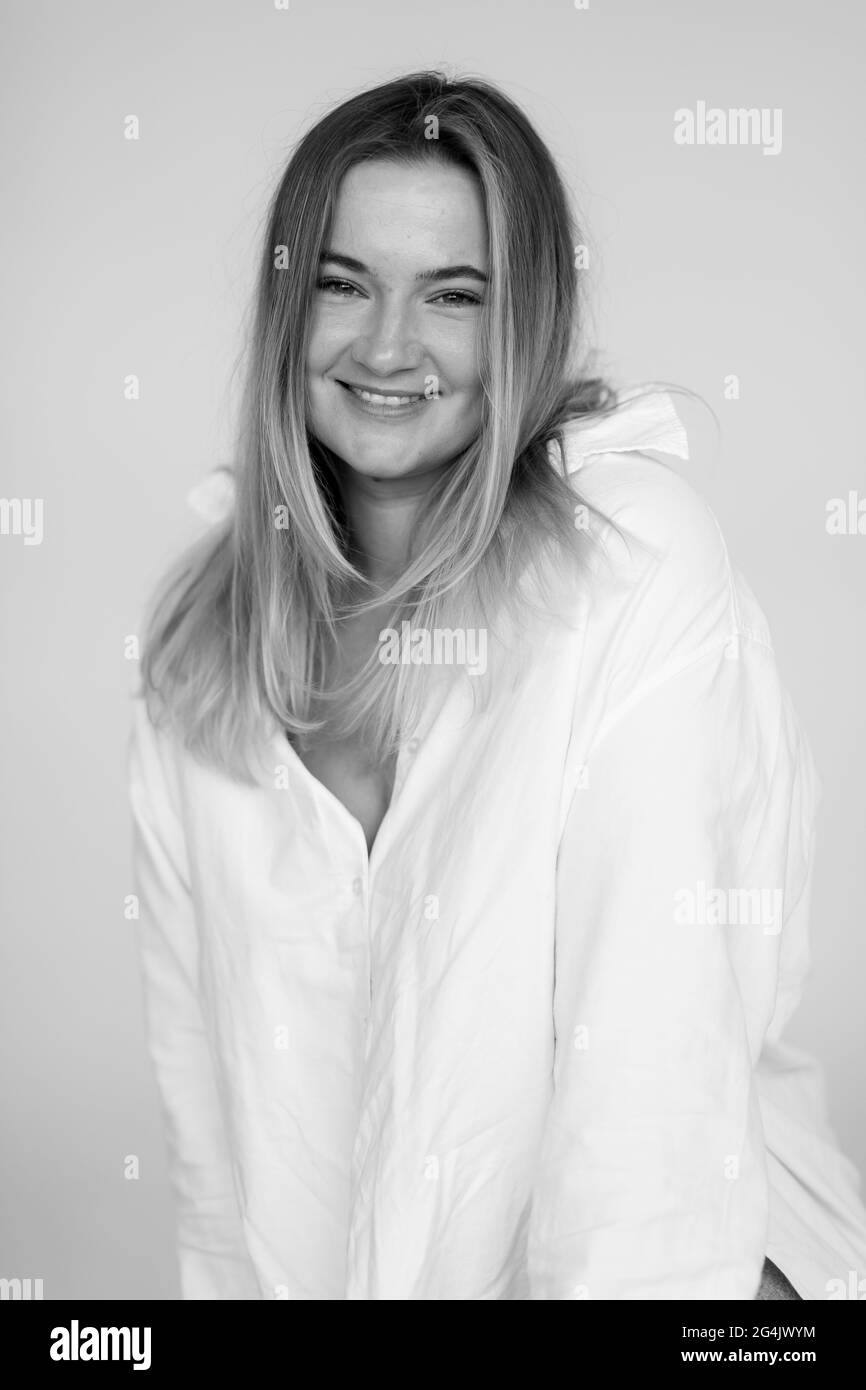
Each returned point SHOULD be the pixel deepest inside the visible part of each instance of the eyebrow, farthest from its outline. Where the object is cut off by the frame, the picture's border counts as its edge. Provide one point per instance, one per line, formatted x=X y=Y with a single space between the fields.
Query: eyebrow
x=447 y=272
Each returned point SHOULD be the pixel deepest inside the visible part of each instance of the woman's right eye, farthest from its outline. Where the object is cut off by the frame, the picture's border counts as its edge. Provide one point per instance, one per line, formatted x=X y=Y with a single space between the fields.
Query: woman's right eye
x=339 y=287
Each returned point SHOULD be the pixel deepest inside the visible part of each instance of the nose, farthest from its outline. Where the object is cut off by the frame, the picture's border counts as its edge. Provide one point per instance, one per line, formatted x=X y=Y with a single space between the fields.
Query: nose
x=390 y=342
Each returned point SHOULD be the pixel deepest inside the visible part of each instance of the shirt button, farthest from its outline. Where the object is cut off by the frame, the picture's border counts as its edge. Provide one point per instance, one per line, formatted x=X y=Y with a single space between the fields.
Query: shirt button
x=357 y=887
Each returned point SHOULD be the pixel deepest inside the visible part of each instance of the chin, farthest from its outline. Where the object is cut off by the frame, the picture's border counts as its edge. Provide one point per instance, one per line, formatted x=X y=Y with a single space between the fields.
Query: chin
x=381 y=456
x=376 y=463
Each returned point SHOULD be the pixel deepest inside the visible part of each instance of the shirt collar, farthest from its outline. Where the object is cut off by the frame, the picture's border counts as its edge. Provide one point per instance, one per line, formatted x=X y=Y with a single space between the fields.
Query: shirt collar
x=645 y=420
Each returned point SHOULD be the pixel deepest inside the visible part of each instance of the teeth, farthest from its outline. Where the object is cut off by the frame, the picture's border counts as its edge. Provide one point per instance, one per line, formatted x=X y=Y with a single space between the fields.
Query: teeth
x=382 y=400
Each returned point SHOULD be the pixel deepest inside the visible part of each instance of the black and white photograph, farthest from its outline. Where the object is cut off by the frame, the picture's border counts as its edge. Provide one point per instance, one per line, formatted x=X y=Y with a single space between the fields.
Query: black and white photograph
x=433 y=555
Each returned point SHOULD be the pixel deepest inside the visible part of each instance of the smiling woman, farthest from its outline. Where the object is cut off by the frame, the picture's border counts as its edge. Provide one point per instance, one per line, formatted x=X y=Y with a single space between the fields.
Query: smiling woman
x=430 y=1012
x=409 y=307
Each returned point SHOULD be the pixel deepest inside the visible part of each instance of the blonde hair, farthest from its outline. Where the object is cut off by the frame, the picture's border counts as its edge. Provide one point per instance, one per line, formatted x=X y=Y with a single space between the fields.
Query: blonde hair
x=239 y=630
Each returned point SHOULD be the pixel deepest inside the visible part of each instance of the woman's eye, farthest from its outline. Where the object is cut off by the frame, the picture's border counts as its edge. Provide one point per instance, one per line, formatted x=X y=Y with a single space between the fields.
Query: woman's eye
x=457 y=298
x=344 y=289
x=339 y=287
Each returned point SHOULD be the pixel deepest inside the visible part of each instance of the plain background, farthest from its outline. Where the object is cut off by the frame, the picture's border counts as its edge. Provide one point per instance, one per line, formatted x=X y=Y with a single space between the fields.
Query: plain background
x=137 y=257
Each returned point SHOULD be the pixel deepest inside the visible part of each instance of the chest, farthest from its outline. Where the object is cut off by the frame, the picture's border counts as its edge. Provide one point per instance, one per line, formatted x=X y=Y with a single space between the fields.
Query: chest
x=363 y=787
x=363 y=783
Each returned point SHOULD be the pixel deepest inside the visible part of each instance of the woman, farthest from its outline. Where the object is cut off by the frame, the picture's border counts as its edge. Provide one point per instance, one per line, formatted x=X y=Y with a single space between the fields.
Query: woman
x=473 y=827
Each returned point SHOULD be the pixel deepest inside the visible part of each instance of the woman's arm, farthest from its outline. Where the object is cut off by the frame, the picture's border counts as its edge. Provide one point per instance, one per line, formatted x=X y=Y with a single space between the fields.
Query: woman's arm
x=214 y=1263
x=652 y=1181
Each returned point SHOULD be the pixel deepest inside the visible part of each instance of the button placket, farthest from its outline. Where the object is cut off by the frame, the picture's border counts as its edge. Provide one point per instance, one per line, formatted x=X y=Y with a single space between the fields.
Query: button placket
x=360 y=890
x=363 y=886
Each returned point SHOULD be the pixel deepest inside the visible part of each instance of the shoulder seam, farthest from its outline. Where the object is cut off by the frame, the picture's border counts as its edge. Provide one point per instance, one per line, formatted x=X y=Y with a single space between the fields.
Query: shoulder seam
x=669 y=671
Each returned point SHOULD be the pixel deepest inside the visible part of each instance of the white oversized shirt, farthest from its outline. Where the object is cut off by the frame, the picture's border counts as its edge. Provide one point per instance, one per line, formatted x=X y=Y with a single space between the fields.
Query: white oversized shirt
x=531 y=1047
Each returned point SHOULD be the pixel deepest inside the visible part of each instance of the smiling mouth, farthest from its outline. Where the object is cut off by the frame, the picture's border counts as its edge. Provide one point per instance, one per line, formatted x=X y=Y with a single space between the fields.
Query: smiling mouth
x=393 y=398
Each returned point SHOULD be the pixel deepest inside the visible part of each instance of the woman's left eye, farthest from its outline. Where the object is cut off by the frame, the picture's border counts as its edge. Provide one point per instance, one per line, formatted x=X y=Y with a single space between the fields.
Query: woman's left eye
x=457 y=298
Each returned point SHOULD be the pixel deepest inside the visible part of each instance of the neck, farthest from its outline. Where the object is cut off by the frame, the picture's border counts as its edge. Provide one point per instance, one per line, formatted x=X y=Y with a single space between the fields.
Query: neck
x=381 y=513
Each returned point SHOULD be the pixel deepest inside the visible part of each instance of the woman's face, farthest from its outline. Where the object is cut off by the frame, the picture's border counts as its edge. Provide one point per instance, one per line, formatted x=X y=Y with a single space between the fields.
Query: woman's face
x=392 y=364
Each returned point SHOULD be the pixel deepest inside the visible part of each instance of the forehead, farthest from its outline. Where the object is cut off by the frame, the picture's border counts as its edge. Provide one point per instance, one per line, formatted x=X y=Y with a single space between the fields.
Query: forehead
x=403 y=213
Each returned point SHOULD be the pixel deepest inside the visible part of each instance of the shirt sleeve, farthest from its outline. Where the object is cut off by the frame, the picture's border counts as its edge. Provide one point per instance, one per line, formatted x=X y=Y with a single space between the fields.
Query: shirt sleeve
x=213 y=1259
x=685 y=853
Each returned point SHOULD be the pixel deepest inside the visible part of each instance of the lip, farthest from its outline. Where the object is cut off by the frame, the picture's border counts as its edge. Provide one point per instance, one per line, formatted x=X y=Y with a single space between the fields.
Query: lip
x=389 y=405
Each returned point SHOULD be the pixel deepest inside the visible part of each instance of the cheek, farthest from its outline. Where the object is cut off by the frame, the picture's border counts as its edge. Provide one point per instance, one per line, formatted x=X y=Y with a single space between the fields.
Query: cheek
x=466 y=383
x=459 y=362
x=317 y=349
x=327 y=339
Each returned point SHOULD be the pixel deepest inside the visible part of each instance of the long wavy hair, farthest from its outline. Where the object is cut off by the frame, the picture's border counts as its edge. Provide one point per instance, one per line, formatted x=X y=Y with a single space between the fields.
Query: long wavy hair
x=240 y=631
